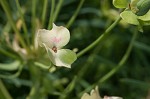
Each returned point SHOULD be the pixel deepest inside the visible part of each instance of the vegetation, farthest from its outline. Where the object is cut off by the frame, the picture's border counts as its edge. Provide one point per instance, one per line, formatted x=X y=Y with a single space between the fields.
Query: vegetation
x=112 y=47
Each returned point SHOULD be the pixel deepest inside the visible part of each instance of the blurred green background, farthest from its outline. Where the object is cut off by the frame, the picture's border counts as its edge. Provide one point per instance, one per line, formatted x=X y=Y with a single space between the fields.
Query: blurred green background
x=131 y=81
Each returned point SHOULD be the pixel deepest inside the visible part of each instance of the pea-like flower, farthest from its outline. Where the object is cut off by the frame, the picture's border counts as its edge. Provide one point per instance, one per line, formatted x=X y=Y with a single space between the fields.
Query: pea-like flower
x=53 y=40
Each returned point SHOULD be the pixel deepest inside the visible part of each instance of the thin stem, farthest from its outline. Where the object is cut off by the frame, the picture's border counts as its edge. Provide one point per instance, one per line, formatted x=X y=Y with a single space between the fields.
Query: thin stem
x=91 y=57
x=4 y=91
x=68 y=89
x=10 y=19
x=12 y=76
x=34 y=93
x=59 y=5
x=116 y=68
x=41 y=65
x=51 y=14
x=44 y=12
x=72 y=19
x=34 y=2
x=122 y=61
x=35 y=74
x=7 y=53
x=99 y=38
x=23 y=22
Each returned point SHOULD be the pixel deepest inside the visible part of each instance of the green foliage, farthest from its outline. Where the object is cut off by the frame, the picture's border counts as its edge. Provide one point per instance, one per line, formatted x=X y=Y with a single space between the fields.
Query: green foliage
x=129 y=17
x=143 y=7
x=11 y=66
x=112 y=54
x=120 y=3
x=136 y=12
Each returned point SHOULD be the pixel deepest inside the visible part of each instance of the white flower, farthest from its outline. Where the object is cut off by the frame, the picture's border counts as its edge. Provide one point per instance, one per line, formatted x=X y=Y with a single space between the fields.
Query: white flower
x=95 y=95
x=53 y=40
x=112 y=97
x=57 y=37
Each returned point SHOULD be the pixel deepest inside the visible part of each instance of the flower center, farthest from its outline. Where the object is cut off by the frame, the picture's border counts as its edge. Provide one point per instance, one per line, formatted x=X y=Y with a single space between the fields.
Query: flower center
x=54 y=49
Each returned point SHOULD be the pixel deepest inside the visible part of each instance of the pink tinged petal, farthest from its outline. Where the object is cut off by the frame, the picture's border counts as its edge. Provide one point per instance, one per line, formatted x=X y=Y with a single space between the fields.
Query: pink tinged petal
x=62 y=36
x=58 y=36
x=56 y=40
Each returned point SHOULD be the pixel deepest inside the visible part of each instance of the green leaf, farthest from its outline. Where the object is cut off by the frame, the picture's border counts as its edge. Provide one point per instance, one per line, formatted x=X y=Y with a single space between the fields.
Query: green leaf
x=145 y=23
x=10 y=66
x=67 y=56
x=140 y=28
x=145 y=17
x=120 y=3
x=143 y=7
x=129 y=17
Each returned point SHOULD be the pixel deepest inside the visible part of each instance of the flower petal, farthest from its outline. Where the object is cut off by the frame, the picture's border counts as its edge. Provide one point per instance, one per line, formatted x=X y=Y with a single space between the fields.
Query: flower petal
x=93 y=95
x=63 y=57
x=58 y=36
x=43 y=37
x=112 y=97
x=62 y=36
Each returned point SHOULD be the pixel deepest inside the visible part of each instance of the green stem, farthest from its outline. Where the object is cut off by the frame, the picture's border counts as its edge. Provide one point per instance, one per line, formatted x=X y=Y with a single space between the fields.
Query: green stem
x=10 y=19
x=57 y=9
x=33 y=92
x=34 y=2
x=99 y=38
x=91 y=57
x=72 y=19
x=11 y=76
x=10 y=66
x=4 y=92
x=44 y=12
x=51 y=15
x=38 y=64
x=23 y=22
x=7 y=53
x=122 y=61
x=68 y=89
x=36 y=77
x=115 y=69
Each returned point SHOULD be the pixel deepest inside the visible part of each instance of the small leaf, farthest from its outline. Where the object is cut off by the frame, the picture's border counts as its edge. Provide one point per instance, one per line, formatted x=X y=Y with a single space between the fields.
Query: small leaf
x=145 y=17
x=129 y=17
x=120 y=3
x=145 y=23
x=140 y=28
x=143 y=6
